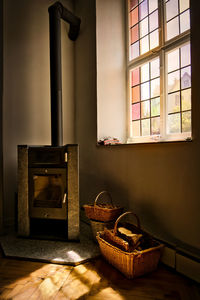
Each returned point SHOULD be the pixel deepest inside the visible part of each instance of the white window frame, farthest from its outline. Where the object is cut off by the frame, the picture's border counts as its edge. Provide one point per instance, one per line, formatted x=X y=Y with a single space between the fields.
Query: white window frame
x=161 y=50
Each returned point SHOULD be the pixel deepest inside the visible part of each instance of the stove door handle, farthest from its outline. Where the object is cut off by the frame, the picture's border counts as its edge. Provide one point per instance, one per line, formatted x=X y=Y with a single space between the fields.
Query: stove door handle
x=64 y=197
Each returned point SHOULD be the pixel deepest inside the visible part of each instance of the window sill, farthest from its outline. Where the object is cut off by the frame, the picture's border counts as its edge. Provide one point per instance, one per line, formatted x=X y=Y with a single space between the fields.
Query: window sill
x=154 y=140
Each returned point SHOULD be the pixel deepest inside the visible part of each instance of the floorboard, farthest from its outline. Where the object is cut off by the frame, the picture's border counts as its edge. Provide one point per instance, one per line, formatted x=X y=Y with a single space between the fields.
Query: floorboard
x=95 y=280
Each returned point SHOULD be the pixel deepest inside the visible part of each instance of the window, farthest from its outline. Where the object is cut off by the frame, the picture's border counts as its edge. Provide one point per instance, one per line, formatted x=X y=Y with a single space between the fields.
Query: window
x=159 y=70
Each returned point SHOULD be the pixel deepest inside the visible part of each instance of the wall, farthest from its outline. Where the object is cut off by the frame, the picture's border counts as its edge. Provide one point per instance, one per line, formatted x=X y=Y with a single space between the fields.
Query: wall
x=1 y=106
x=111 y=72
x=26 y=100
x=160 y=182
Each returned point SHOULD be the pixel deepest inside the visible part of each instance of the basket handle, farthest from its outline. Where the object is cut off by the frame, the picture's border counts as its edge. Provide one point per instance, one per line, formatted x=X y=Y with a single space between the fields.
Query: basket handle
x=97 y=197
x=120 y=217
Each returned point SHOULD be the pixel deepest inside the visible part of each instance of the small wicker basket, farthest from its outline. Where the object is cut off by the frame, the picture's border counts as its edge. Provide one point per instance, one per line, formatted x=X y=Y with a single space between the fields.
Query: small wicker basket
x=131 y=264
x=105 y=212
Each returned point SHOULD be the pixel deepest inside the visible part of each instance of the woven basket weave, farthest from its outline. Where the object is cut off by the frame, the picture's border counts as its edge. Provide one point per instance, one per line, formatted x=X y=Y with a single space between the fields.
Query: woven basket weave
x=101 y=213
x=131 y=264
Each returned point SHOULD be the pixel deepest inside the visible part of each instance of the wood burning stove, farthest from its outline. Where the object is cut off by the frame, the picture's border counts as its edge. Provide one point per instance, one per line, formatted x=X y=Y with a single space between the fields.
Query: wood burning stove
x=48 y=186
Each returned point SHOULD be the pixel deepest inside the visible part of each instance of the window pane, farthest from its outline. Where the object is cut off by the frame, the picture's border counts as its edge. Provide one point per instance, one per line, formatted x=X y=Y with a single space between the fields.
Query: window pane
x=185 y=21
x=155 y=125
x=145 y=91
x=144 y=45
x=155 y=87
x=144 y=29
x=153 y=4
x=185 y=55
x=134 y=50
x=134 y=17
x=135 y=76
x=143 y=10
x=174 y=123
x=153 y=21
x=171 y=9
x=145 y=109
x=155 y=68
x=133 y=3
x=186 y=77
x=184 y=4
x=145 y=72
x=136 y=94
x=154 y=40
x=174 y=102
x=155 y=107
x=136 y=111
x=136 y=128
x=134 y=34
x=186 y=121
x=172 y=28
x=186 y=99
x=145 y=127
x=174 y=81
x=173 y=60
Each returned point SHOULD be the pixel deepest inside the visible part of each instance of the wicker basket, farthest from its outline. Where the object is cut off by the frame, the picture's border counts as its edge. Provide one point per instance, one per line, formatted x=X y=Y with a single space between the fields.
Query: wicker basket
x=102 y=213
x=131 y=264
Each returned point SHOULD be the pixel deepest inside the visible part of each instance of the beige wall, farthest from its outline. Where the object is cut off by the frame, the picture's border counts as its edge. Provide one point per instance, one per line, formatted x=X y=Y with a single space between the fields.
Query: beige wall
x=160 y=182
x=111 y=72
x=26 y=103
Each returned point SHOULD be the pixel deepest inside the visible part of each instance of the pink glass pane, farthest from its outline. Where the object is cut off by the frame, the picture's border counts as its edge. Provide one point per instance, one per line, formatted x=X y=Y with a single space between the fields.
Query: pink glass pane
x=155 y=68
x=134 y=34
x=134 y=17
x=136 y=94
x=134 y=50
x=153 y=21
x=135 y=76
x=136 y=111
x=185 y=55
x=173 y=60
x=133 y=3
x=143 y=10
x=171 y=9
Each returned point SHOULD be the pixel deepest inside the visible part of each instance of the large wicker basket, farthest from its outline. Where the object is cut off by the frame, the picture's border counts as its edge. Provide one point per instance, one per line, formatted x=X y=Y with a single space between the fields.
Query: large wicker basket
x=97 y=226
x=104 y=213
x=131 y=264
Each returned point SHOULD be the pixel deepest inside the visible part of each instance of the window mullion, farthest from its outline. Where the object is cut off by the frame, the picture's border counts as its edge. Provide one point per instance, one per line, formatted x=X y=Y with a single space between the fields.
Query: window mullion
x=162 y=96
x=162 y=71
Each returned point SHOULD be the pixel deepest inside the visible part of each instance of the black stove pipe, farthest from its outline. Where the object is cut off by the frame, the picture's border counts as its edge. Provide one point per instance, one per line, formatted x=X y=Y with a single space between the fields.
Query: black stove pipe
x=56 y=13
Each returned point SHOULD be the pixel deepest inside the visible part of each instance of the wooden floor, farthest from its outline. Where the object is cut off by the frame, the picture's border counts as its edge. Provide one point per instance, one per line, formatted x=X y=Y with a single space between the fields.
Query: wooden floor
x=93 y=280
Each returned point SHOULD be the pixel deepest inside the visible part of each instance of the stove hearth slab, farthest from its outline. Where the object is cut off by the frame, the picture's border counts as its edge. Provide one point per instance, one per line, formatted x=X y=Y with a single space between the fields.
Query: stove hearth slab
x=59 y=252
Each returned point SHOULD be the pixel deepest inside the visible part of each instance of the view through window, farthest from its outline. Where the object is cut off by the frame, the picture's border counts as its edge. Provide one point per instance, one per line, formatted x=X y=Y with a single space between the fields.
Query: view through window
x=159 y=70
